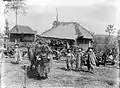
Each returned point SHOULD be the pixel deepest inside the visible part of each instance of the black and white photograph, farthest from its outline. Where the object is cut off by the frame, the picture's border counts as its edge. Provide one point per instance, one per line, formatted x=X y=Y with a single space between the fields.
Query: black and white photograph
x=59 y=43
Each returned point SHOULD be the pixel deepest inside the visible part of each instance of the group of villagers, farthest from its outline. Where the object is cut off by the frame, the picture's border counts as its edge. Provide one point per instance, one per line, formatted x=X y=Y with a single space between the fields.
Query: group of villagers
x=78 y=59
x=17 y=53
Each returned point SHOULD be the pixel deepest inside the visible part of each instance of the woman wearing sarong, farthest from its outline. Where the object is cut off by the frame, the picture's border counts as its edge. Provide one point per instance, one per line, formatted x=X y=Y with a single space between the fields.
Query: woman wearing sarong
x=70 y=60
x=18 y=56
x=79 y=59
x=91 y=60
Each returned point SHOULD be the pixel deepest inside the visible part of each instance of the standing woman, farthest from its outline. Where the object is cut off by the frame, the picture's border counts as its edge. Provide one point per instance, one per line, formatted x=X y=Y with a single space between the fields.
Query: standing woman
x=70 y=60
x=79 y=59
x=91 y=60
x=17 y=54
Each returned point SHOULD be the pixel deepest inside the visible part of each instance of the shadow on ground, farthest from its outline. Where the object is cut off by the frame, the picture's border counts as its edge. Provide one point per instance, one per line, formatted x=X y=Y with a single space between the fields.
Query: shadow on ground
x=65 y=69
x=62 y=68
x=31 y=73
x=13 y=62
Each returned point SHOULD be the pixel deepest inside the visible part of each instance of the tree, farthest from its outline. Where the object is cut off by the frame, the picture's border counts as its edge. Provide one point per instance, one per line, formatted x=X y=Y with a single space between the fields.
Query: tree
x=17 y=6
x=110 y=30
x=6 y=28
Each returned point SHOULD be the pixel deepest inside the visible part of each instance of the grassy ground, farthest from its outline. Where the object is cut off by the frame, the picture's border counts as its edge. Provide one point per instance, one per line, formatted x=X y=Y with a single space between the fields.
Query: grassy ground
x=13 y=76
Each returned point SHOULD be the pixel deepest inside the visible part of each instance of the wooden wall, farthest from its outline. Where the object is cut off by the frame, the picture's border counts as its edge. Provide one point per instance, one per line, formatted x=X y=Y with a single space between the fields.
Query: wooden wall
x=22 y=37
x=84 y=43
x=27 y=38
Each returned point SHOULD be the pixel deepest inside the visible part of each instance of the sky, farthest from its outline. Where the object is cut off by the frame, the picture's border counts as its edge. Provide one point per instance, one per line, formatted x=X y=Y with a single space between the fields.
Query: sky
x=94 y=15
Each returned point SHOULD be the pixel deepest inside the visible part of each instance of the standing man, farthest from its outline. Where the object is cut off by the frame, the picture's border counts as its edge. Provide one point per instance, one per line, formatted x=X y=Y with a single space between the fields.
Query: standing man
x=79 y=59
x=91 y=60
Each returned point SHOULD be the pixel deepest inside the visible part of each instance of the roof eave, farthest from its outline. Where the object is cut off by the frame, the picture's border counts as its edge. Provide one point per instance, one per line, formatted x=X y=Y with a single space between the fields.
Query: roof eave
x=58 y=37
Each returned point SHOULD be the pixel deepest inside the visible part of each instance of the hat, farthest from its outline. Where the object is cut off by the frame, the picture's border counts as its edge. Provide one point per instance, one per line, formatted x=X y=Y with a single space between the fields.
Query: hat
x=68 y=50
x=80 y=49
x=90 y=49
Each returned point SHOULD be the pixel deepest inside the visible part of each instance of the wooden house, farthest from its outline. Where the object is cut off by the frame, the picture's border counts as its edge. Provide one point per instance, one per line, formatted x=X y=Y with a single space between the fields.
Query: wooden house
x=22 y=34
x=72 y=32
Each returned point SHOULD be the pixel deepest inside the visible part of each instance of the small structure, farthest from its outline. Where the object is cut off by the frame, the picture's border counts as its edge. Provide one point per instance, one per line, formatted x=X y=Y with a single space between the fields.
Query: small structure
x=72 y=32
x=22 y=33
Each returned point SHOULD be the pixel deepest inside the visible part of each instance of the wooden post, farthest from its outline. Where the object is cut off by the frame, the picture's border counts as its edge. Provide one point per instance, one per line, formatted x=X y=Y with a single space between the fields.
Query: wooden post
x=89 y=44
x=24 y=86
x=75 y=41
x=83 y=45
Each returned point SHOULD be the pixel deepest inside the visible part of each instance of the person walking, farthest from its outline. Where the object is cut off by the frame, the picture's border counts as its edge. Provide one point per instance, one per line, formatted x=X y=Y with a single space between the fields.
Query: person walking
x=79 y=59
x=91 y=60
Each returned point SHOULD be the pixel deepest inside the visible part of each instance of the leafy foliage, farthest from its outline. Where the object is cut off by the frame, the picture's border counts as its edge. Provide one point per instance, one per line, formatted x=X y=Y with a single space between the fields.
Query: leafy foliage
x=101 y=43
x=14 y=5
x=108 y=39
x=110 y=29
x=6 y=28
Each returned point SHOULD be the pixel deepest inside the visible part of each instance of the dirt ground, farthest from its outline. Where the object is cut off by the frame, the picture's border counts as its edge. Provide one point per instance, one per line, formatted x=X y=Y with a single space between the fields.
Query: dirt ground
x=12 y=76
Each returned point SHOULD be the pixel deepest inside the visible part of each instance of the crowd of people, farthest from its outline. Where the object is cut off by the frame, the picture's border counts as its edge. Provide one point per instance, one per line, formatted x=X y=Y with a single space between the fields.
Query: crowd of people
x=78 y=59
x=15 y=52
x=75 y=56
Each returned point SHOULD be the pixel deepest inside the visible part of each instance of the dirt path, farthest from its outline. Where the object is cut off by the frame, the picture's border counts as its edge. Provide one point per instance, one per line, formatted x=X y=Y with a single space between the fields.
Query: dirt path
x=13 y=76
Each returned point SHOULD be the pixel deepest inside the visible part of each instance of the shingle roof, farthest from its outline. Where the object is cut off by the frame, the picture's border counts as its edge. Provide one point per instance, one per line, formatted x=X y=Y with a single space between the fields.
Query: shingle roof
x=22 y=29
x=68 y=30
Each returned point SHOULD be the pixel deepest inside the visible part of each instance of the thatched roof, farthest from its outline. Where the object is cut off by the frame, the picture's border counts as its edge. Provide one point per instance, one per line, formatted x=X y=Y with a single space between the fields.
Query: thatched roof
x=68 y=30
x=22 y=29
